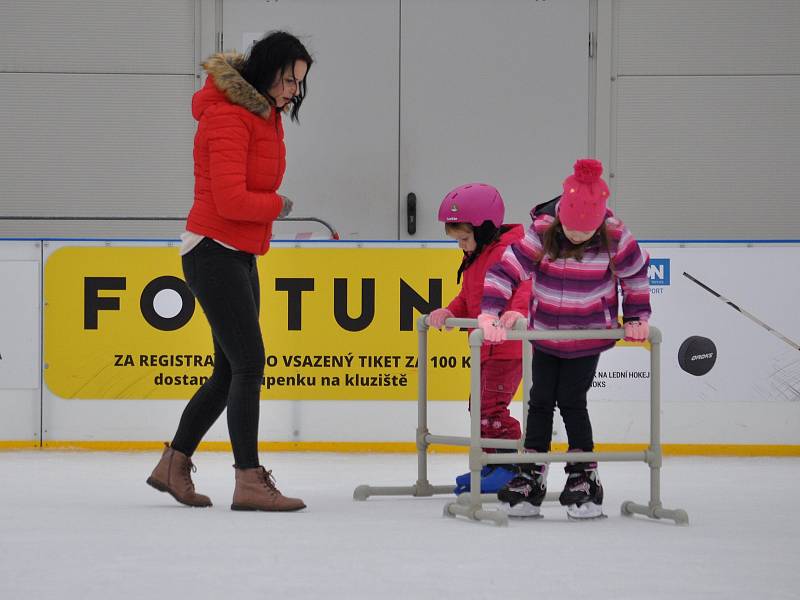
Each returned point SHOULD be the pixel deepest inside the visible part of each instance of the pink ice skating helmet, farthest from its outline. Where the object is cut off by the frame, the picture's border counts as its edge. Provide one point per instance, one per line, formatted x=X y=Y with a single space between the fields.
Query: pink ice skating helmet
x=472 y=203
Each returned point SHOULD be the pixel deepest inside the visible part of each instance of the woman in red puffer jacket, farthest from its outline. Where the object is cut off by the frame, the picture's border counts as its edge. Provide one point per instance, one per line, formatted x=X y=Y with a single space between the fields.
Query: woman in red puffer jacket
x=239 y=161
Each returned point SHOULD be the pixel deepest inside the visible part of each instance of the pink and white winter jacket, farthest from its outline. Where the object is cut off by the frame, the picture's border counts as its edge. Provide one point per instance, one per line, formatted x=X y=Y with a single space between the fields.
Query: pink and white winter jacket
x=568 y=294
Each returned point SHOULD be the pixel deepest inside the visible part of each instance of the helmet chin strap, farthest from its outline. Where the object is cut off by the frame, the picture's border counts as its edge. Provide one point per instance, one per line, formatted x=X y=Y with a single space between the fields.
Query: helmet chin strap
x=484 y=234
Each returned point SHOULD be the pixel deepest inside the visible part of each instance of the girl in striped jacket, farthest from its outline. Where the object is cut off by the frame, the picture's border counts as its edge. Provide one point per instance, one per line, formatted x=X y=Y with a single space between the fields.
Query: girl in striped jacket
x=576 y=259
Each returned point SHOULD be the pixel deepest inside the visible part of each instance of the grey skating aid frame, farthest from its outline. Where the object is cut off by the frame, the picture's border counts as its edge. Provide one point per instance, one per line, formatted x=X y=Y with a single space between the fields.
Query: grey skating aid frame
x=423 y=488
x=470 y=504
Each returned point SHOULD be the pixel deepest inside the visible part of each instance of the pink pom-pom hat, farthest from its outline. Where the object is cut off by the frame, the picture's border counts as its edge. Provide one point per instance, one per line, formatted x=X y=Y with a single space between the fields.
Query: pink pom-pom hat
x=583 y=203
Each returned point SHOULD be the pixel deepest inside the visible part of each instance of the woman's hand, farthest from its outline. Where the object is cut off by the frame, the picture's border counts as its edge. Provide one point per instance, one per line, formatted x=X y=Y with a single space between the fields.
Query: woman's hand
x=287 y=207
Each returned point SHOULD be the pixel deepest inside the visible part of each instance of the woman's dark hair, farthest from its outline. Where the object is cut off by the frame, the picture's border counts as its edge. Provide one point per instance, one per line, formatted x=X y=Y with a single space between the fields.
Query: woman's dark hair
x=485 y=234
x=269 y=57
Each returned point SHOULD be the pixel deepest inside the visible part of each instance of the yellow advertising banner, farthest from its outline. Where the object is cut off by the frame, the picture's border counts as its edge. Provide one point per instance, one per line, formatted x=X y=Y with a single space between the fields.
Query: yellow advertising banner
x=338 y=324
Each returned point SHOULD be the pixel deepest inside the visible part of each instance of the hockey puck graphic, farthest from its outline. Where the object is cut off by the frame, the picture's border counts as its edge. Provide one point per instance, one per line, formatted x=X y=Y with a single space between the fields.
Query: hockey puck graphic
x=697 y=355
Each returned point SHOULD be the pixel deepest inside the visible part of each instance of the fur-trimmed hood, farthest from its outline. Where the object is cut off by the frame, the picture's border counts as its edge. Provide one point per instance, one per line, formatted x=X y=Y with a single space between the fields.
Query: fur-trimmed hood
x=225 y=81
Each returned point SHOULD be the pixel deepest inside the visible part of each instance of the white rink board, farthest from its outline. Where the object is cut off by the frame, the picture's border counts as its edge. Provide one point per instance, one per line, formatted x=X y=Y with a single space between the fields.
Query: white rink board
x=20 y=338
x=753 y=365
x=749 y=397
x=19 y=324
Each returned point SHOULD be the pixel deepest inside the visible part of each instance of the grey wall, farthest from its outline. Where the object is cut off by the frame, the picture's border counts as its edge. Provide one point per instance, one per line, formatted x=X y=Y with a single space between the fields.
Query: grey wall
x=95 y=119
x=706 y=118
x=692 y=105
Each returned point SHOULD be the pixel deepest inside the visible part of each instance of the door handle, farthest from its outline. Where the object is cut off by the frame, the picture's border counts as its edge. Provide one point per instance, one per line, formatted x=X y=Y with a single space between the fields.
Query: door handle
x=411 y=213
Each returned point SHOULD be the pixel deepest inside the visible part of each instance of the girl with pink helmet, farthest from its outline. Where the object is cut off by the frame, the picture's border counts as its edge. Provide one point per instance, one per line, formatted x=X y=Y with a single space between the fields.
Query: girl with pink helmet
x=473 y=216
x=577 y=257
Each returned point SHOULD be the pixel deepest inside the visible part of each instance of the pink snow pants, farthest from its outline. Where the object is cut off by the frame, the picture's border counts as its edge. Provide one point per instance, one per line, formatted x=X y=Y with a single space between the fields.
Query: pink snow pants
x=499 y=382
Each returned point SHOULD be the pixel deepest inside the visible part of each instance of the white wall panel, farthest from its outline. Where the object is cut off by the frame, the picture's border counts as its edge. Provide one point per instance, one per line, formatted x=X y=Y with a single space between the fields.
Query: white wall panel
x=341 y=161
x=97 y=36
x=95 y=145
x=721 y=37
x=708 y=157
x=493 y=92
x=703 y=138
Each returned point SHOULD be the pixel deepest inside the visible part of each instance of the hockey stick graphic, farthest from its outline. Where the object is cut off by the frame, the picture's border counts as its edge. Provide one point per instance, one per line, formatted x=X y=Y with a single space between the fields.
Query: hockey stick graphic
x=774 y=332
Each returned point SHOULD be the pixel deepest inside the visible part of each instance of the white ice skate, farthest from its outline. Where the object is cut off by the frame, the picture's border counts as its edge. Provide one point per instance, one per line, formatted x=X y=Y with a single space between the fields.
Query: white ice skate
x=522 y=496
x=583 y=492
x=521 y=510
x=585 y=512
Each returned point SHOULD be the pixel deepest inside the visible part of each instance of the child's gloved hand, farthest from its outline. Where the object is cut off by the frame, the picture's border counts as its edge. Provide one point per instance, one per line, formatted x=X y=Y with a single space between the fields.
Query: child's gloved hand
x=509 y=318
x=438 y=317
x=492 y=332
x=636 y=331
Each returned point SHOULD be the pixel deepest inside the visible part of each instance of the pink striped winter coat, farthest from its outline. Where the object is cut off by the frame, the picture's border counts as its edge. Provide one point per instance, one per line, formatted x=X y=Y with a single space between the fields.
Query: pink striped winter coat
x=569 y=294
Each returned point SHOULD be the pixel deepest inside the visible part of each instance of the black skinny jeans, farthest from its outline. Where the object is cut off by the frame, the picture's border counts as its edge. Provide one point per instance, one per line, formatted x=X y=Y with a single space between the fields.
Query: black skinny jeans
x=561 y=382
x=225 y=283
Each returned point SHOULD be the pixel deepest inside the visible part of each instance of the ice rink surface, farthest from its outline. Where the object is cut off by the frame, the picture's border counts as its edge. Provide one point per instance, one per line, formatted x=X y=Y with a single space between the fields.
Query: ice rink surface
x=84 y=525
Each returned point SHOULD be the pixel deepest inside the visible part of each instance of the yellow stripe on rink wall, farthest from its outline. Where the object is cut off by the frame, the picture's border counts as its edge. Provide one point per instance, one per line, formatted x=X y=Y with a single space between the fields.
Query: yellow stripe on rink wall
x=19 y=444
x=402 y=447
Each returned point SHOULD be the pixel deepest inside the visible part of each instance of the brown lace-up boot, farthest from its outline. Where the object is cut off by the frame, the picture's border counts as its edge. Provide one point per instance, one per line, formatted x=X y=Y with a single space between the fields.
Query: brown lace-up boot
x=173 y=474
x=255 y=490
